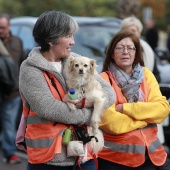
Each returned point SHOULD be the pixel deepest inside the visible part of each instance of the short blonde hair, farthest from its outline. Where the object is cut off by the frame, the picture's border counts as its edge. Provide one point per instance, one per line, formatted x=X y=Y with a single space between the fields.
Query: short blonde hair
x=132 y=21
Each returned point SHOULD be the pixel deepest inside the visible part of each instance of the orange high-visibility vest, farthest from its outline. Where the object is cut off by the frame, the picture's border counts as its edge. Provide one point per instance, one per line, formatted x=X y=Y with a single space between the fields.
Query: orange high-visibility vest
x=129 y=148
x=43 y=137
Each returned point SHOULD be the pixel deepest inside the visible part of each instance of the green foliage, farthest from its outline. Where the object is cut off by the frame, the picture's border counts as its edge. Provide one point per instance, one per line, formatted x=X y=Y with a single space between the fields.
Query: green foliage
x=11 y=7
x=72 y=7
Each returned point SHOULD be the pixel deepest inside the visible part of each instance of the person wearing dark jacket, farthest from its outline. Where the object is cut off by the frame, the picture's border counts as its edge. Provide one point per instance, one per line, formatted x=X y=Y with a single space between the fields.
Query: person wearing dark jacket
x=168 y=37
x=8 y=73
x=10 y=103
x=151 y=34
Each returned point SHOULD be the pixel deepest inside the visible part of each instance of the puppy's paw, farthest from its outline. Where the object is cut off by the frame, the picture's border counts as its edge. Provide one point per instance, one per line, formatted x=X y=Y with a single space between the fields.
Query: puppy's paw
x=96 y=143
x=71 y=106
x=94 y=125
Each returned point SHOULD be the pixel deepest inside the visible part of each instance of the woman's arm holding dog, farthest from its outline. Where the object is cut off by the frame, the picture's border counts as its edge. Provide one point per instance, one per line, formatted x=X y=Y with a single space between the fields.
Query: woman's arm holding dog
x=78 y=102
x=39 y=96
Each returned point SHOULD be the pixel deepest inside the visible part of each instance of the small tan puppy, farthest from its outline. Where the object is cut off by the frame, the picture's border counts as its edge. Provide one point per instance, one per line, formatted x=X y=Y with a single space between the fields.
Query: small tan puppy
x=81 y=73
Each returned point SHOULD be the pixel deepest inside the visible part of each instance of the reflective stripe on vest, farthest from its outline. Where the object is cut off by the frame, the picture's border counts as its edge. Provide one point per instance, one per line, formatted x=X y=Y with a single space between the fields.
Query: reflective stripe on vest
x=140 y=149
x=129 y=149
x=154 y=146
x=41 y=143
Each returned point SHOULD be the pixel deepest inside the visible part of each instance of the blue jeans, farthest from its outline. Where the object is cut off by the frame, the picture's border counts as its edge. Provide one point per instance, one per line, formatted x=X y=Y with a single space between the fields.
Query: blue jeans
x=148 y=165
x=89 y=165
x=9 y=109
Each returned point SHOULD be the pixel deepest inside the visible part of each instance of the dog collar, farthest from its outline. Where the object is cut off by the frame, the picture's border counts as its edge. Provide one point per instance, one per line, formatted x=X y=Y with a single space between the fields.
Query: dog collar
x=84 y=98
x=83 y=102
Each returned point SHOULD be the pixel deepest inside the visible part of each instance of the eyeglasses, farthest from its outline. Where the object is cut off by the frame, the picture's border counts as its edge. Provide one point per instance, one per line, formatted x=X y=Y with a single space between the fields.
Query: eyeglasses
x=129 y=49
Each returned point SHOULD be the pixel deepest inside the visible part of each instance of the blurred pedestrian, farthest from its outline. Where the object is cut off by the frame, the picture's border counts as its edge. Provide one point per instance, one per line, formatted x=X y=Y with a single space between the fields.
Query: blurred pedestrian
x=151 y=33
x=168 y=37
x=134 y=24
x=43 y=89
x=11 y=102
x=129 y=126
x=8 y=72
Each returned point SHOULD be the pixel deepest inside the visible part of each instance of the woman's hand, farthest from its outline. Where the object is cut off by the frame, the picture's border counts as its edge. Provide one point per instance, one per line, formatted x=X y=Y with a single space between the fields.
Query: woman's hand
x=78 y=102
x=69 y=100
x=86 y=104
x=119 y=108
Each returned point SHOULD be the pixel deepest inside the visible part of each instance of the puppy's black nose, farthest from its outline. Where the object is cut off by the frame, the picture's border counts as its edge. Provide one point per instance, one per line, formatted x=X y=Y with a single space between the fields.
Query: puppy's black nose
x=81 y=71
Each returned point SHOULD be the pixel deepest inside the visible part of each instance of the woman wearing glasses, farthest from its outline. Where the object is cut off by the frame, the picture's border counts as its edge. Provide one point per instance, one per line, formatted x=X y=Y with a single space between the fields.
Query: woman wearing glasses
x=129 y=126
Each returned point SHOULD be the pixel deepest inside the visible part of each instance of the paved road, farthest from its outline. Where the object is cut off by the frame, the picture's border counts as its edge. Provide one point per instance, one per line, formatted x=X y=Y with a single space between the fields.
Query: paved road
x=20 y=166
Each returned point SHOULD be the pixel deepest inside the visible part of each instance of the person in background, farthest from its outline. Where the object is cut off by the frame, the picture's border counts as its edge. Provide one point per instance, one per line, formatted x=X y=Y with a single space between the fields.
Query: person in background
x=168 y=37
x=42 y=84
x=130 y=125
x=134 y=24
x=8 y=72
x=151 y=34
x=11 y=103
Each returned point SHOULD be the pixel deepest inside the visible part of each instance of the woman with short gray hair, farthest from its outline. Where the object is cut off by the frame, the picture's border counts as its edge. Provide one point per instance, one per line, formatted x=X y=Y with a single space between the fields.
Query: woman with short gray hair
x=51 y=26
x=43 y=89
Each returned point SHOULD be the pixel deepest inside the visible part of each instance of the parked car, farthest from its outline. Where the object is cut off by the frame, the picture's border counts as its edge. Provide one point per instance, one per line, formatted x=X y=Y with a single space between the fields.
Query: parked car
x=91 y=40
x=22 y=27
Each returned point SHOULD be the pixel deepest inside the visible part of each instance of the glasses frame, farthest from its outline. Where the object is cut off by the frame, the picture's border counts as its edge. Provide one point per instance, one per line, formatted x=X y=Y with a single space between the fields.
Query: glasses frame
x=129 y=49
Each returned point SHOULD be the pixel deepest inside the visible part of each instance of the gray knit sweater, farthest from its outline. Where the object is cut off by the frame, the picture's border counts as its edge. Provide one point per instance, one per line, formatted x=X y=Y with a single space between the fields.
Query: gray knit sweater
x=37 y=95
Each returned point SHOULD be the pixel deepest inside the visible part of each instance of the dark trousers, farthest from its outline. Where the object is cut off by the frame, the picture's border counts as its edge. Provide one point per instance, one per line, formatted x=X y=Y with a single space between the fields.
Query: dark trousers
x=89 y=165
x=148 y=165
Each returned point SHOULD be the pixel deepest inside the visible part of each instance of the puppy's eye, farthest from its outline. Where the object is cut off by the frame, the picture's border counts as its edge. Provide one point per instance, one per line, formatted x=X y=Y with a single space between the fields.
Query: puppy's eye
x=76 y=65
x=85 y=65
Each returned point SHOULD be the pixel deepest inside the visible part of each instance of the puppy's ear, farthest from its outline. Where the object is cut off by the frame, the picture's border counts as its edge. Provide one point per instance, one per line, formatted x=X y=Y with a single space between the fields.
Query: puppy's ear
x=70 y=64
x=92 y=66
